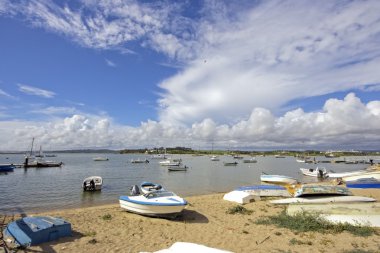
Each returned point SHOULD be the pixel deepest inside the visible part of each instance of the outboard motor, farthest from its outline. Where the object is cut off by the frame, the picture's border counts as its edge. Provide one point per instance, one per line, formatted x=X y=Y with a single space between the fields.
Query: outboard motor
x=135 y=190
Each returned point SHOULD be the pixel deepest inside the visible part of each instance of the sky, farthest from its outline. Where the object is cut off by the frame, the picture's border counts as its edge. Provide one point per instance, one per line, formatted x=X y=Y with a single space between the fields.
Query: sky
x=241 y=74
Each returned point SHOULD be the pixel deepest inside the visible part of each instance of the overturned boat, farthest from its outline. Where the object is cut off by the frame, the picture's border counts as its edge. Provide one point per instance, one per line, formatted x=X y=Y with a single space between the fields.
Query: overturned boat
x=30 y=231
x=157 y=203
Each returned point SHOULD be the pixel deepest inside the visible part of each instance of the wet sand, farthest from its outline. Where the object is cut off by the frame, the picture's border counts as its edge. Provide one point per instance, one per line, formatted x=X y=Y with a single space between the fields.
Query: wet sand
x=204 y=221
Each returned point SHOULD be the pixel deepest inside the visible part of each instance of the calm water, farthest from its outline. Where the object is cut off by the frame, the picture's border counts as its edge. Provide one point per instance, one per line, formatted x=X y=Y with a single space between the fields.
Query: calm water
x=36 y=189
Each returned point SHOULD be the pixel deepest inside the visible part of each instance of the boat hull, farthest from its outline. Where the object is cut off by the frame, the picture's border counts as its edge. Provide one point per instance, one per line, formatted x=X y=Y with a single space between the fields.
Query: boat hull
x=322 y=199
x=166 y=211
x=277 y=179
x=7 y=168
x=368 y=175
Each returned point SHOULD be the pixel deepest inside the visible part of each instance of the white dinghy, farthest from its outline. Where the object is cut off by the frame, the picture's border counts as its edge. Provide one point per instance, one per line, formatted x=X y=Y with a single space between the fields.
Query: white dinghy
x=317 y=172
x=93 y=183
x=157 y=203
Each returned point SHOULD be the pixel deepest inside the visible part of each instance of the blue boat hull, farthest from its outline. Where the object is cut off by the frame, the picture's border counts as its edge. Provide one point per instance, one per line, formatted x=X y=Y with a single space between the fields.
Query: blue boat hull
x=7 y=168
x=31 y=231
x=363 y=184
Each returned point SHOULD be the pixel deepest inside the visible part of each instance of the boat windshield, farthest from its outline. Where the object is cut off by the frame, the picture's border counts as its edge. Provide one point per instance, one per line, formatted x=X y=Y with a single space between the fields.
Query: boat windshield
x=157 y=194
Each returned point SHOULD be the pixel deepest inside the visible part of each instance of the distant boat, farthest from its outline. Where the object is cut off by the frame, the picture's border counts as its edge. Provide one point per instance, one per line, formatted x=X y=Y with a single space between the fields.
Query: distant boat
x=157 y=203
x=99 y=158
x=177 y=168
x=230 y=163
x=214 y=158
x=250 y=160
x=277 y=179
x=30 y=231
x=7 y=167
x=139 y=161
x=170 y=163
x=93 y=183
x=159 y=156
x=238 y=157
x=279 y=156
x=38 y=161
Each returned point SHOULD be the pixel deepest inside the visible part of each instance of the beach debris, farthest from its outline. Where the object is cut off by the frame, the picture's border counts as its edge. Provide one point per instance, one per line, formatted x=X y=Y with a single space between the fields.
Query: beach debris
x=266 y=238
x=238 y=210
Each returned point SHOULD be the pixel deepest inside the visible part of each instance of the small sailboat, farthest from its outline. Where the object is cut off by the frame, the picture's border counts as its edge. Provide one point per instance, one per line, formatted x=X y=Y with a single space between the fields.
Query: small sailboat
x=250 y=160
x=139 y=161
x=214 y=158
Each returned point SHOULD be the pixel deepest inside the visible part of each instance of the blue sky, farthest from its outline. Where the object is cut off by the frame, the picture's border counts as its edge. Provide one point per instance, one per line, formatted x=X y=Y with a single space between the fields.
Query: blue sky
x=249 y=74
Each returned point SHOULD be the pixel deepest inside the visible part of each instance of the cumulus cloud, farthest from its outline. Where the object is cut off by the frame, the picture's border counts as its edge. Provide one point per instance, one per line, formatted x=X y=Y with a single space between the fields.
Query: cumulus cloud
x=345 y=123
x=271 y=54
x=30 y=90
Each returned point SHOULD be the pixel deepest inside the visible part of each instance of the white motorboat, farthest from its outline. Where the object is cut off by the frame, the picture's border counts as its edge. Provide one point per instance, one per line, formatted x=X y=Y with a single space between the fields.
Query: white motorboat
x=138 y=160
x=93 y=183
x=214 y=158
x=98 y=159
x=250 y=160
x=317 y=172
x=170 y=163
x=147 y=187
x=277 y=179
x=157 y=203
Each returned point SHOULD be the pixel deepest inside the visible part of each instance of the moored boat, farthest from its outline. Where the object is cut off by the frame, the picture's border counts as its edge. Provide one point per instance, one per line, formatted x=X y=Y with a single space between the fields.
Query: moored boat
x=230 y=163
x=100 y=159
x=250 y=160
x=319 y=172
x=177 y=168
x=93 y=183
x=157 y=203
x=139 y=161
x=214 y=158
x=7 y=167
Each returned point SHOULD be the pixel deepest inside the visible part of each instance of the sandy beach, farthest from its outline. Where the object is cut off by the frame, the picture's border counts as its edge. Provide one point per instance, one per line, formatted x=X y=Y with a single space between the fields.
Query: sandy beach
x=108 y=228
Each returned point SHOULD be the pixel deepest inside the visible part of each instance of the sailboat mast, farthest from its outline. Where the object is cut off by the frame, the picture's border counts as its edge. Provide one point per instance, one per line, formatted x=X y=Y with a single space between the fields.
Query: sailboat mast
x=31 y=149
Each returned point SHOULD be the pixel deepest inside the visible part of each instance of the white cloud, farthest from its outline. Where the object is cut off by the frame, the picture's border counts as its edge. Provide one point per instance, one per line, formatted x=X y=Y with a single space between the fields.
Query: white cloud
x=347 y=123
x=5 y=94
x=30 y=90
x=271 y=54
x=110 y=63
x=54 y=110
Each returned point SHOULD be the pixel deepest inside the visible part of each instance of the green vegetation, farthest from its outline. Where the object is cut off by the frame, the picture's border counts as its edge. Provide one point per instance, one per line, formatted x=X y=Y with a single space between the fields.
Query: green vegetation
x=238 y=210
x=89 y=233
x=294 y=241
x=305 y=222
x=107 y=217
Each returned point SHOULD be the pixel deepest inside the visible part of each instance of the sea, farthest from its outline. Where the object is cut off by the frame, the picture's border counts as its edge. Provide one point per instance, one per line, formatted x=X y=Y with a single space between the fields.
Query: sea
x=40 y=189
